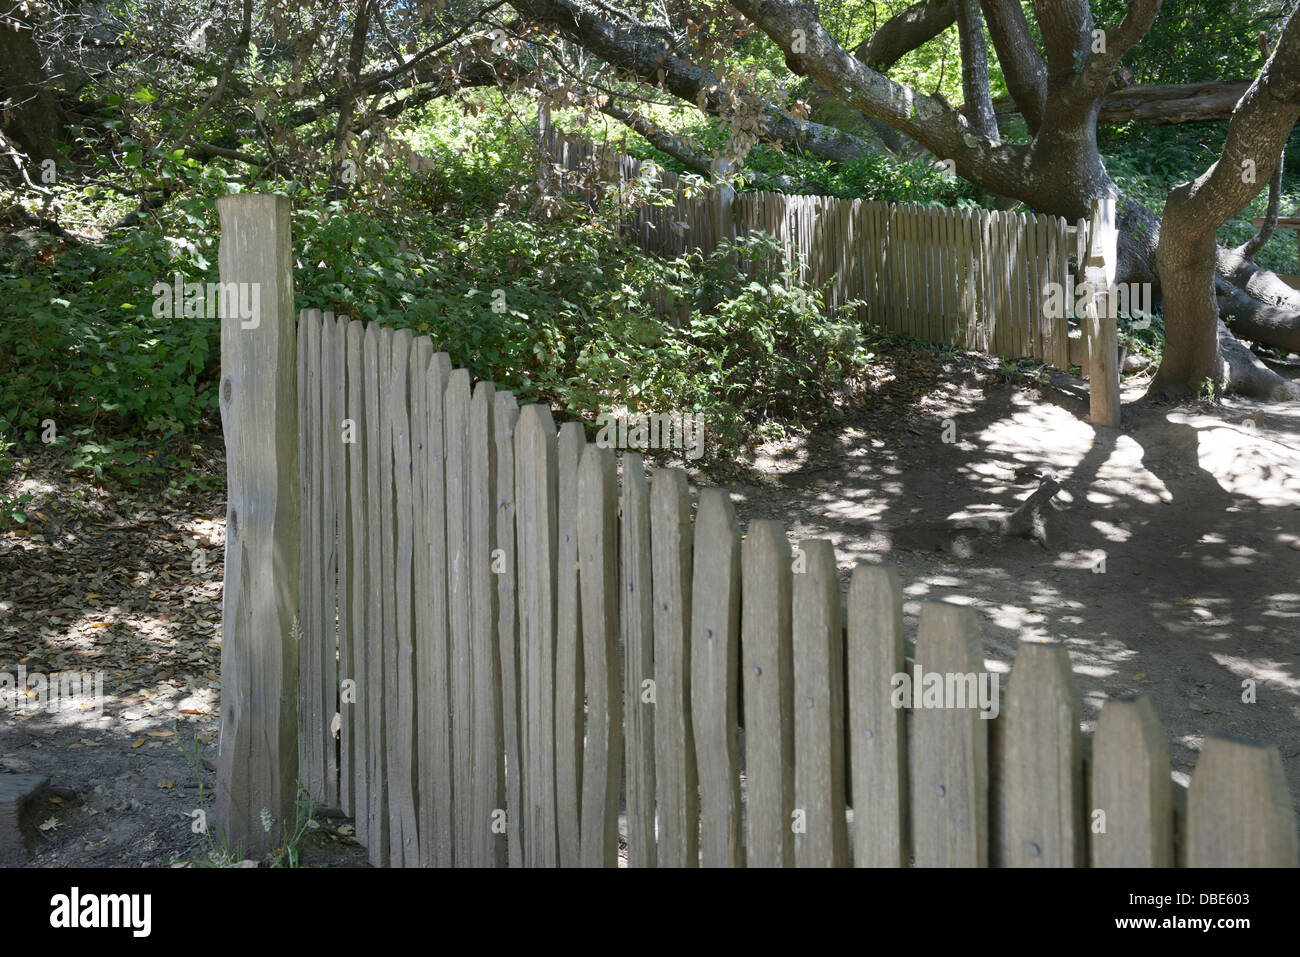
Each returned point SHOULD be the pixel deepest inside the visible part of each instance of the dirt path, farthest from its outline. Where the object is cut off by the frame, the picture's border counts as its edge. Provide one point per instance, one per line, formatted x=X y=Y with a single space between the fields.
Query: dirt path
x=1195 y=511
x=127 y=586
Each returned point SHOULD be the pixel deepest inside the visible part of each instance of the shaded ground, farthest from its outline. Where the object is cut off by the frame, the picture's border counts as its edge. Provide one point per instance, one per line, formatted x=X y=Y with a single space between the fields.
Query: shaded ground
x=128 y=585
x=1195 y=510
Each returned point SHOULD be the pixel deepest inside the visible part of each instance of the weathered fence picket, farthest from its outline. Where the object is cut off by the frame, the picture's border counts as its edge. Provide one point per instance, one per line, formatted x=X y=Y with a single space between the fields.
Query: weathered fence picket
x=637 y=627
x=536 y=481
x=569 y=660
x=821 y=838
x=676 y=778
x=487 y=845
x=768 y=655
x=602 y=755
x=714 y=668
x=877 y=736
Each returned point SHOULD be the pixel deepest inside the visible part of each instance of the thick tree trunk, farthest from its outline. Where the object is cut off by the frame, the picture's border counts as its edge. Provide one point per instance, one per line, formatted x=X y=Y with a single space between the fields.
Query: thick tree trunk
x=1186 y=261
x=975 y=70
x=1160 y=105
x=1187 y=255
x=30 y=110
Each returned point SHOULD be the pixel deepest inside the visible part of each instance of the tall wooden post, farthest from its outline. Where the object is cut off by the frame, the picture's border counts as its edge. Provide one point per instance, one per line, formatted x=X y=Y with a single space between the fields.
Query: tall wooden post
x=1099 y=325
x=545 y=157
x=257 y=768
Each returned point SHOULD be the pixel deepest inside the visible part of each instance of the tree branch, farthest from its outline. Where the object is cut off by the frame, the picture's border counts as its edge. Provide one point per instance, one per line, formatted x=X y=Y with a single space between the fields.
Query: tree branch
x=1022 y=64
x=975 y=70
x=905 y=31
x=929 y=121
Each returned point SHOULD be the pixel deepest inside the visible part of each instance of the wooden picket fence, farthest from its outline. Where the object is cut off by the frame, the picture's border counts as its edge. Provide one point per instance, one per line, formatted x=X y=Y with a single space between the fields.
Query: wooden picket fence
x=511 y=648
x=976 y=279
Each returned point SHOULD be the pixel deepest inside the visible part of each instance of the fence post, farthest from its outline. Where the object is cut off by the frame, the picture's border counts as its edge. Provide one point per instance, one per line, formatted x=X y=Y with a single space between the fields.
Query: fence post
x=1100 y=328
x=544 y=146
x=258 y=759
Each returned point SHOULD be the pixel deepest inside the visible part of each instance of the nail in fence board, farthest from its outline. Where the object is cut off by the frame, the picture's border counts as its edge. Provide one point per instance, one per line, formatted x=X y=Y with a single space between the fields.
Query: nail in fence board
x=950 y=749
x=822 y=840
x=1130 y=785
x=487 y=840
x=767 y=653
x=433 y=650
x=378 y=474
x=536 y=481
x=258 y=761
x=1042 y=762
x=1239 y=813
x=598 y=559
x=456 y=431
x=676 y=781
x=403 y=838
x=505 y=416
x=715 y=651
x=568 y=652
x=637 y=624
x=877 y=748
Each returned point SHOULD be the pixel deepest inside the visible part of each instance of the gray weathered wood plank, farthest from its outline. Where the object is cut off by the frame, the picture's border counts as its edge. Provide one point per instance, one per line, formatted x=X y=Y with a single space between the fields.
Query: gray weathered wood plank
x=637 y=622
x=377 y=354
x=950 y=749
x=715 y=661
x=310 y=615
x=1042 y=770
x=455 y=429
x=421 y=580
x=505 y=416
x=257 y=765
x=358 y=581
x=1130 y=786
x=603 y=750
x=342 y=520
x=877 y=737
x=329 y=446
x=569 y=660
x=676 y=781
x=399 y=730
x=821 y=839
x=1239 y=813
x=433 y=651
x=487 y=839
x=536 y=519
x=768 y=656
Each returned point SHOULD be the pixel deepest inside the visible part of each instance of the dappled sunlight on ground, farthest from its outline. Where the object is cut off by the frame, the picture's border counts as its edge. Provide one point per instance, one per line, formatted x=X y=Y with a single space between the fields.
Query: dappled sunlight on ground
x=1172 y=546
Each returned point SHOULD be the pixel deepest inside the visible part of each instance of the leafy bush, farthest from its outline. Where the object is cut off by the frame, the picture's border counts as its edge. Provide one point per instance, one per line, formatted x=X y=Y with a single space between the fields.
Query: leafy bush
x=80 y=345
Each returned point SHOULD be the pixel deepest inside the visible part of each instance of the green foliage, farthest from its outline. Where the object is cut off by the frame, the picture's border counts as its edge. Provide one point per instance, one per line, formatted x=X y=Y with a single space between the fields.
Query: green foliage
x=757 y=353
x=80 y=345
x=1195 y=42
